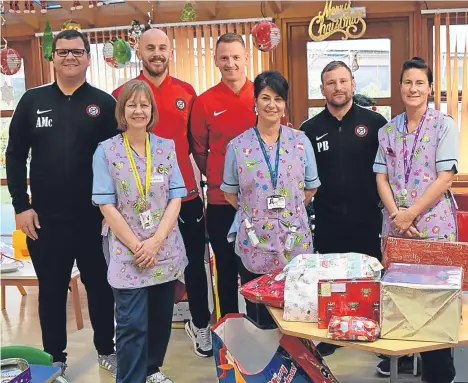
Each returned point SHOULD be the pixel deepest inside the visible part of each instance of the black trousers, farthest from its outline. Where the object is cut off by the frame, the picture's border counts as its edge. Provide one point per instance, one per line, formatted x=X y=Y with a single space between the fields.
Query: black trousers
x=258 y=313
x=220 y=219
x=438 y=366
x=330 y=238
x=144 y=322
x=53 y=255
x=192 y=228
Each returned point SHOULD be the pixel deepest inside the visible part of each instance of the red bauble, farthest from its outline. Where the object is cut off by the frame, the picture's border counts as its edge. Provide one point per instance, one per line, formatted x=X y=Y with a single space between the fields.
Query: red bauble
x=266 y=36
x=10 y=61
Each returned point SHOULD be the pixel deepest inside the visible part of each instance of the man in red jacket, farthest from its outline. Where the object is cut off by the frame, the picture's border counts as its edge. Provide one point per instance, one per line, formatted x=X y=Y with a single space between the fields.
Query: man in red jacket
x=219 y=115
x=174 y=99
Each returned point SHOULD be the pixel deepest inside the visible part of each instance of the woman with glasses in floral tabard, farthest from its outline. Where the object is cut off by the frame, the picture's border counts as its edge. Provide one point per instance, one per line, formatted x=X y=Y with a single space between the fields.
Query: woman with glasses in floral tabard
x=139 y=188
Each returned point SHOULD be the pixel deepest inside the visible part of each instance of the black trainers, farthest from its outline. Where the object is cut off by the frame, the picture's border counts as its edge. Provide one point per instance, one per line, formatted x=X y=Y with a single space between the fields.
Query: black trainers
x=405 y=364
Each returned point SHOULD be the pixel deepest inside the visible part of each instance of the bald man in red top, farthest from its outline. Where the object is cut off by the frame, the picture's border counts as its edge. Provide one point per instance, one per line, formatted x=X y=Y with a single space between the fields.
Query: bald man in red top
x=219 y=115
x=174 y=100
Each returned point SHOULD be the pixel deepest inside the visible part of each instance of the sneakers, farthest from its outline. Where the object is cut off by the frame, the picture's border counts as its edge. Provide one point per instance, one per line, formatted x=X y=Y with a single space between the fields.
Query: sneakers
x=62 y=365
x=405 y=364
x=158 y=377
x=108 y=362
x=201 y=339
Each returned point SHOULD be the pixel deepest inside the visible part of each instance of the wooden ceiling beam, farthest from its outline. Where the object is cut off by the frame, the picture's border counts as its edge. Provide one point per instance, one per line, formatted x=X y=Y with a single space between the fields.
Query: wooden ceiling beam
x=211 y=7
x=276 y=6
x=31 y=20
x=142 y=8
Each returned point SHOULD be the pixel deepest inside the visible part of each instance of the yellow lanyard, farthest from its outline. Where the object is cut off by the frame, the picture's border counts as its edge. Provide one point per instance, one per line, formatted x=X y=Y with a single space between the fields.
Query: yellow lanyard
x=142 y=202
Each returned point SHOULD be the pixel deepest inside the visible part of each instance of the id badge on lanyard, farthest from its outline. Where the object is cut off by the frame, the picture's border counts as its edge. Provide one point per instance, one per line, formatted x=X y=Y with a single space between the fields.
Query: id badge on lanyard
x=274 y=201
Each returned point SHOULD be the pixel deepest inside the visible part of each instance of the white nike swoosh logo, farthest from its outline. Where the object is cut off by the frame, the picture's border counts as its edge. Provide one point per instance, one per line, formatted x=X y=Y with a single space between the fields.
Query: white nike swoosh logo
x=43 y=111
x=218 y=113
x=199 y=219
x=319 y=138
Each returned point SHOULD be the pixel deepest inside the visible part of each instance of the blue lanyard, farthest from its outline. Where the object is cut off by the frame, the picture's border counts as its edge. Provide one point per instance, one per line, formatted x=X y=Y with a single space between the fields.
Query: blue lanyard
x=273 y=173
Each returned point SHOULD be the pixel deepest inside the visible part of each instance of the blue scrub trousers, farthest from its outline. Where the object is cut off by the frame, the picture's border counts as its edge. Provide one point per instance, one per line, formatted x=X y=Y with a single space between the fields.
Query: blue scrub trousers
x=144 y=322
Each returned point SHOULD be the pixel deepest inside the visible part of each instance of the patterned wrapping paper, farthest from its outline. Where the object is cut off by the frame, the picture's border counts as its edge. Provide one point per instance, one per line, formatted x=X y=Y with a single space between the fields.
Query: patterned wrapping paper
x=348 y=298
x=414 y=251
x=353 y=328
x=303 y=274
x=421 y=302
x=265 y=290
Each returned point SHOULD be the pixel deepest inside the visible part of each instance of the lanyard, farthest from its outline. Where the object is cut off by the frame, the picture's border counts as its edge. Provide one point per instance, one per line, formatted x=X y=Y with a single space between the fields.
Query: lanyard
x=273 y=173
x=405 y=157
x=143 y=195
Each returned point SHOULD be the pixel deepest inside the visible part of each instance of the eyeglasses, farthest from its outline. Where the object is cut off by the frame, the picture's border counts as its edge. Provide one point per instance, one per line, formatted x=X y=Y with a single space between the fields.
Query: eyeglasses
x=74 y=52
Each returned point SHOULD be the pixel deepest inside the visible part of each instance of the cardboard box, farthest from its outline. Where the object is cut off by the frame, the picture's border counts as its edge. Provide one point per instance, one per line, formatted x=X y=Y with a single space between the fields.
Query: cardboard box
x=421 y=302
x=417 y=251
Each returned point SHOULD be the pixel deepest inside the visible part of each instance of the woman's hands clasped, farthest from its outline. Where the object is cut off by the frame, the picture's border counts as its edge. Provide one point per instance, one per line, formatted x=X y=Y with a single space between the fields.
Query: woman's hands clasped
x=146 y=252
x=402 y=221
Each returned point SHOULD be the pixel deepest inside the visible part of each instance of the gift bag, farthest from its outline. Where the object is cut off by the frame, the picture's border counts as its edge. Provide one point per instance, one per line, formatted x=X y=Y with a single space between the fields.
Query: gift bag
x=462 y=223
x=265 y=290
x=243 y=353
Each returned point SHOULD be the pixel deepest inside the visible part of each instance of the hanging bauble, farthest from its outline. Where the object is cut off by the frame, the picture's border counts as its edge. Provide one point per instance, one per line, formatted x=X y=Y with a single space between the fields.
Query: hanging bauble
x=8 y=94
x=117 y=53
x=10 y=61
x=71 y=25
x=266 y=36
x=135 y=32
x=188 y=13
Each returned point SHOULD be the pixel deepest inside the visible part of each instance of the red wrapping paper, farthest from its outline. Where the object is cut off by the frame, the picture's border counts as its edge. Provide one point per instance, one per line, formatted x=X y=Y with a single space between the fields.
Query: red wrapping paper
x=265 y=290
x=462 y=222
x=353 y=328
x=347 y=297
x=414 y=251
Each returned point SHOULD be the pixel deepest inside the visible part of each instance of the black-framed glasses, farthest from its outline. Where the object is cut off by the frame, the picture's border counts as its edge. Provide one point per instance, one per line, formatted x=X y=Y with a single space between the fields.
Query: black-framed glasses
x=74 y=52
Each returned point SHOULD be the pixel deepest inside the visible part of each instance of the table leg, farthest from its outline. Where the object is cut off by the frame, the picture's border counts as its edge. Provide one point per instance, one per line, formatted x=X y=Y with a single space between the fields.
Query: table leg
x=3 y=297
x=76 y=303
x=393 y=369
x=22 y=290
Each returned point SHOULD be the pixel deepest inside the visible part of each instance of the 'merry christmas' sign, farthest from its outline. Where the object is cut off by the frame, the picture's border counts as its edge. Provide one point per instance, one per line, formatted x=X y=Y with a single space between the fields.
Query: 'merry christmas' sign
x=338 y=19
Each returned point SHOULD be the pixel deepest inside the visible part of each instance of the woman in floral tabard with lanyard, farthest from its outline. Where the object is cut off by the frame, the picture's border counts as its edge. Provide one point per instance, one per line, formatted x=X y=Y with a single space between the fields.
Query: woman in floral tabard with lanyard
x=270 y=175
x=415 y=164
x=138 y=187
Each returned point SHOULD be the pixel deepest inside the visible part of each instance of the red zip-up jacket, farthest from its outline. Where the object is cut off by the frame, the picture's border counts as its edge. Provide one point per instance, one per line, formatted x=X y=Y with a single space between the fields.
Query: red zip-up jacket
x=218 y=116
x=174 y=100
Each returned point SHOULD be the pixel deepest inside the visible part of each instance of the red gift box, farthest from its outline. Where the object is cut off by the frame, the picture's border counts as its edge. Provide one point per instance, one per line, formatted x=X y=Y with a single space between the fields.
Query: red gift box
x=353 y=328
x=417 y=251
x=265 y=290
x=342 y=297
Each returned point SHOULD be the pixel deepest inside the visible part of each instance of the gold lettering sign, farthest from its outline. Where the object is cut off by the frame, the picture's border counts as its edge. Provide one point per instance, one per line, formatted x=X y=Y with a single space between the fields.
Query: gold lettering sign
x=338 y=19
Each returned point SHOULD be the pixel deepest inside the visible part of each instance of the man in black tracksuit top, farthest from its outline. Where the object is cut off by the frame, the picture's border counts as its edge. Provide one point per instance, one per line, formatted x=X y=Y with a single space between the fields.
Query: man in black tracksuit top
x=345 y=141
x=62 y=123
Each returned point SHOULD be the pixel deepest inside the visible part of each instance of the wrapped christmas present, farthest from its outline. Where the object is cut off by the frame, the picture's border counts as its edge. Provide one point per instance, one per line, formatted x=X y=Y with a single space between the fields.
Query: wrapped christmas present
x=356 y=265
x=347 y=297
x=417 y=251
x=462 y=223
x=353 y=328
x=421 y=302
x=265 y=289
x=302 y=276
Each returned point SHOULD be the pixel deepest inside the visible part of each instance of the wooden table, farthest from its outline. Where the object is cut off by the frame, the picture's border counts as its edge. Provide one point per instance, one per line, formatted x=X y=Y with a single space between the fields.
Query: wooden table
x=26 y=276
x=392 y=348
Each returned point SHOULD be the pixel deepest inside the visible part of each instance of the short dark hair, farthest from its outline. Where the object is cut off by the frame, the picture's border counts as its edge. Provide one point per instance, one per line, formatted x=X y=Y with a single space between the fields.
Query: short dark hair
x=69 y=35
x=417 y=63
x=230 y=38
x=273 y=80
x=334 y=65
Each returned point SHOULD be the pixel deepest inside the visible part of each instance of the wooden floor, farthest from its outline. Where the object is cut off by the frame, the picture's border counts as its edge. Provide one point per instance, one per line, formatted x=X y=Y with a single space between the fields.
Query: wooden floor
x=20 y=325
